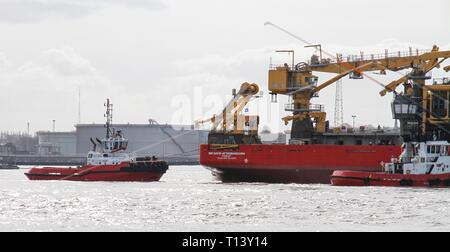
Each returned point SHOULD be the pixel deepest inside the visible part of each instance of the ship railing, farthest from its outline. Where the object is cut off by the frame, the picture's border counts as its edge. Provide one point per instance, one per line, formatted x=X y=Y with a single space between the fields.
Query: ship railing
x=312 y=108
x=369 y=57
x=358 y=58
x=441 y=81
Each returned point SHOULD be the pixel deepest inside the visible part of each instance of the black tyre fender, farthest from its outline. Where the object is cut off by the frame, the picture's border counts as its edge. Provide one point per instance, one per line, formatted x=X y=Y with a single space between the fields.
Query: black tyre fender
x=406 y=182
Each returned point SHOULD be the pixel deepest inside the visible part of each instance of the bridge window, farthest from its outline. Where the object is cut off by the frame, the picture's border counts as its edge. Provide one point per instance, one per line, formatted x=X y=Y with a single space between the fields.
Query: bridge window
x=444 y=151
x=439 y=108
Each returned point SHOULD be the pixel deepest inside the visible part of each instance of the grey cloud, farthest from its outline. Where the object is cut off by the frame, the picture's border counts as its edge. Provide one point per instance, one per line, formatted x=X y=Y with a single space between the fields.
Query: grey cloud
x=24 y=11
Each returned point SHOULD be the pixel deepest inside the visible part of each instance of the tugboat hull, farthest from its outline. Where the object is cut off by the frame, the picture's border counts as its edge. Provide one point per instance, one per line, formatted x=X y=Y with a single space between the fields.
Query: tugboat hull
x=352 y=178
x=125 y=172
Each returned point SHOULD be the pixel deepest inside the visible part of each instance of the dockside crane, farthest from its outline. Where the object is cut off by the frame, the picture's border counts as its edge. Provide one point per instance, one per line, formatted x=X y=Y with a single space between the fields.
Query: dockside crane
x=301 y=84
x=231 y=126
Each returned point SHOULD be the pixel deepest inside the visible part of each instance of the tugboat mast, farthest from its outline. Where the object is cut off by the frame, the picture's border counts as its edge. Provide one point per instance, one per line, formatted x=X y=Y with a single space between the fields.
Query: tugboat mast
x=109 y=118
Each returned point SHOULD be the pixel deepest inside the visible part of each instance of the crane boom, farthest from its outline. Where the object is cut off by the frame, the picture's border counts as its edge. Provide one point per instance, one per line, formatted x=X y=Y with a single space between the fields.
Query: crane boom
x=342 y=75
x=392 y=62
x=300 y=83
x=231 y=114
x=427 y=67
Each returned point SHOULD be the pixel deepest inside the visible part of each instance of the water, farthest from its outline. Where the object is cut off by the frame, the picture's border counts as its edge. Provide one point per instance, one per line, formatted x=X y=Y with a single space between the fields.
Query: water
x=187 y=199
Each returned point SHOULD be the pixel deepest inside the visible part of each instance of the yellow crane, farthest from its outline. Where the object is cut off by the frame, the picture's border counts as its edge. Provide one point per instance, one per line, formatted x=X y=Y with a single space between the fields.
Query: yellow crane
x=231 y=126
x=299 y=82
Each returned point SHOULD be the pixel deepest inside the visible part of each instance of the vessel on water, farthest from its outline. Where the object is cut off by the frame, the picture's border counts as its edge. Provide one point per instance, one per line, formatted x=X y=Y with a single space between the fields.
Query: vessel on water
x=234 y=152
x=425 y=164
x=424 y=114
x=108 y=161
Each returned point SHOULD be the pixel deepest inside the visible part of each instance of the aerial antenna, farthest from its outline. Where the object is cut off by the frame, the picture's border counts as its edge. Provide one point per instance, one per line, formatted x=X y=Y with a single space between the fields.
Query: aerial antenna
x=109 y=117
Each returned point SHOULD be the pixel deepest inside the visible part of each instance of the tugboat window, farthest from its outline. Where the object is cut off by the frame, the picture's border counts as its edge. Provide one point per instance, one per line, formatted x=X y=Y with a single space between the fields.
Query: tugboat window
x=438 y=104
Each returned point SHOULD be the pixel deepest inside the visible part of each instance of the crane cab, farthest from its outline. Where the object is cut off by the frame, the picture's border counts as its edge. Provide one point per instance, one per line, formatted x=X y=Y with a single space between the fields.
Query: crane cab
x=283 y=80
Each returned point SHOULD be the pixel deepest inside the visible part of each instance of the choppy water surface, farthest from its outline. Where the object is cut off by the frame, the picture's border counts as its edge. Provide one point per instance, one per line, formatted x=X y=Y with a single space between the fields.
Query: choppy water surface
x=186 y=199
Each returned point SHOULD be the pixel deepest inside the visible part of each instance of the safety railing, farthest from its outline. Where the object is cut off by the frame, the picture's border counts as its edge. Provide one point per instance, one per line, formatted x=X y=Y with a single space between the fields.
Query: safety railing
x=370 y=57
x=312 y=108
x=358 y=58
x=441 y=81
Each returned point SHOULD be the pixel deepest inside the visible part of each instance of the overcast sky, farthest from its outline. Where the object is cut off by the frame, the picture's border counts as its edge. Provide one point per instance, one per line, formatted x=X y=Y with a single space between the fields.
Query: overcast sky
x=177 y=60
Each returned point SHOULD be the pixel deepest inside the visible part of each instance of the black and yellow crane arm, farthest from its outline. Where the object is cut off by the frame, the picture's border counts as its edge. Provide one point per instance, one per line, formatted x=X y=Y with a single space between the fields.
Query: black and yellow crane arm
x=427 y=67
x=388 y=62
x=342 y=75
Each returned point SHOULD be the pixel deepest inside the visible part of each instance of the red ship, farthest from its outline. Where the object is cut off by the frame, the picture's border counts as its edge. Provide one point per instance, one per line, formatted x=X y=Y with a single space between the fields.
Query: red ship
x=237 y=155
x=304 y=164
x=234 y=152
x=425 y=164
x=140 y=171
x=111 y=163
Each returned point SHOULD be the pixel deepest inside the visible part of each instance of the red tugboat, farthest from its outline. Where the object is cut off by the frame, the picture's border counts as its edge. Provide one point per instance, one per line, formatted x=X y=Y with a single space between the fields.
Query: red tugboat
x=234 y=152
x=111 y=163
x=424 y=115
x=428 y=167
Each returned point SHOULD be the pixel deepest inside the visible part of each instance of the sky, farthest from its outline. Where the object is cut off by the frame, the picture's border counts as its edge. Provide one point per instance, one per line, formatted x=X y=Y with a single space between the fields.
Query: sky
x=176 y=61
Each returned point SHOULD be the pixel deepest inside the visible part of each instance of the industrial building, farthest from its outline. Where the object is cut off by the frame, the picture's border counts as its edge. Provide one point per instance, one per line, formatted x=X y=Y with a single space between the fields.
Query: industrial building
x=178 y=144
x=151 y=139
x=56 y=143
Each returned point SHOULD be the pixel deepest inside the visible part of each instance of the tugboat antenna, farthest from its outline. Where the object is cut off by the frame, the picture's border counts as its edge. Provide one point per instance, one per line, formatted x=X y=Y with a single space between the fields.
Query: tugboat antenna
x=109 y=118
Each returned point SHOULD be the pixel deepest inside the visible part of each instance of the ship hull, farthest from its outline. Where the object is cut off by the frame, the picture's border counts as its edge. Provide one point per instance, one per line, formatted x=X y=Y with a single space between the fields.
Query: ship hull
x=358 y=179
x=123 y=172
x=304 y=164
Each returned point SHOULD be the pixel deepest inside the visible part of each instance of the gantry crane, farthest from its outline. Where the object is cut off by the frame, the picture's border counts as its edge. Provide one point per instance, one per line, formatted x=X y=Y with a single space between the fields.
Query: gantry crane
x=299 y=82
x=231 y=126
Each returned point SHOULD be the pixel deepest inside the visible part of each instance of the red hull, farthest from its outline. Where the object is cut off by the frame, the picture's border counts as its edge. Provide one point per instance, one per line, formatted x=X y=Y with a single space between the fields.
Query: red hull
x=351 y=178
x=109 y=173
x=304 y=164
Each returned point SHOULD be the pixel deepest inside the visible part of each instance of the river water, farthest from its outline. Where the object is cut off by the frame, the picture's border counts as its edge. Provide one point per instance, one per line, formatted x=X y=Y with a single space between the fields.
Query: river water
x=187 y=199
